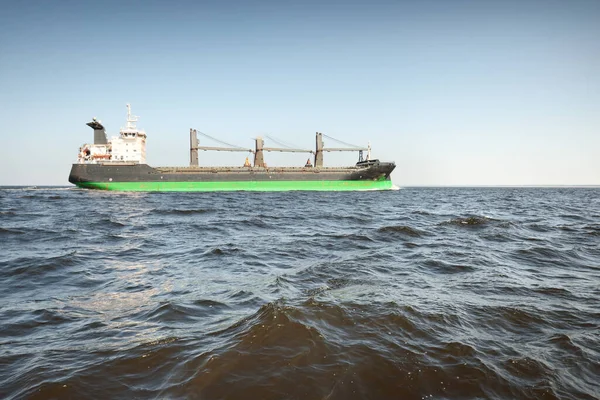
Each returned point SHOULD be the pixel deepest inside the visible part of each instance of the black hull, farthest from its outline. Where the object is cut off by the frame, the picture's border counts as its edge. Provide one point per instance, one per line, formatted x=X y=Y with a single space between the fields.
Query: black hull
x=104 y=173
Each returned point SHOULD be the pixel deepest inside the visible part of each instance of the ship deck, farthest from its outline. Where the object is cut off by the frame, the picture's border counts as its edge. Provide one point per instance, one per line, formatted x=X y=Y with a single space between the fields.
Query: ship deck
x=191 y=170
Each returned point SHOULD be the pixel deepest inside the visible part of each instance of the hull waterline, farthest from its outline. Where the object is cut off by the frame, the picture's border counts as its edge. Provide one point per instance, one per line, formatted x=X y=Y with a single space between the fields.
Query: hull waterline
x=144 y=178
x=262 y=186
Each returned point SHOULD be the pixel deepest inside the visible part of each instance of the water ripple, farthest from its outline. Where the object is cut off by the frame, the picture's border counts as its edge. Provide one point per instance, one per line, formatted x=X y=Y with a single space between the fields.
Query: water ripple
x=417 y=293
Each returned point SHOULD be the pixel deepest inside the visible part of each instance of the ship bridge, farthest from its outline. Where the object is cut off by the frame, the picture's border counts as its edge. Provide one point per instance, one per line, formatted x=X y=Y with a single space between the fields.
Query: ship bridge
x=129 y=146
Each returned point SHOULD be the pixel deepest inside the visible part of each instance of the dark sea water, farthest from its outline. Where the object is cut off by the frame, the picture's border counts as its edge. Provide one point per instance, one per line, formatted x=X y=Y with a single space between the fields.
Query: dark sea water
x=425 y=293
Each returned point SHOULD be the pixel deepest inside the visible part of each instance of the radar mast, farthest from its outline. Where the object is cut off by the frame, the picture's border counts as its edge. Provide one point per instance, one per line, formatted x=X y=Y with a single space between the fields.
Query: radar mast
x=131 y=119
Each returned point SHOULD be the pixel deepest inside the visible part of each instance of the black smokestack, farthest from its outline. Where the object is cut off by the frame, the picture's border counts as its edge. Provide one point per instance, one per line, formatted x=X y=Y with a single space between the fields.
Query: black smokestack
x=99 y=132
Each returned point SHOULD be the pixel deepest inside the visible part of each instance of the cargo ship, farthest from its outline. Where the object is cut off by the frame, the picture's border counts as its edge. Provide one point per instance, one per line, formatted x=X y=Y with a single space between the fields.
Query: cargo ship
x=120 y=164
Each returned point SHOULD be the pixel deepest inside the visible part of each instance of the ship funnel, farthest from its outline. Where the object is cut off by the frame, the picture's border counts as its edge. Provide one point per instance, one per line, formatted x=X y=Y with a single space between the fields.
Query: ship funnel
x=99 y=132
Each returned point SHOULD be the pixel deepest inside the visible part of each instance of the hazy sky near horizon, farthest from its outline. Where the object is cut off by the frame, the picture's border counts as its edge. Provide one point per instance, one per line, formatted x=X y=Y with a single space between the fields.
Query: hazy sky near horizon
x=457 y=92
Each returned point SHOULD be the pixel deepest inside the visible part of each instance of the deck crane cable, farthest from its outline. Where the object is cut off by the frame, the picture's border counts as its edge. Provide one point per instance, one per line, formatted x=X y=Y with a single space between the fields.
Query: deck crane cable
x=282 y=144
x=344 y=143
x=220 y=141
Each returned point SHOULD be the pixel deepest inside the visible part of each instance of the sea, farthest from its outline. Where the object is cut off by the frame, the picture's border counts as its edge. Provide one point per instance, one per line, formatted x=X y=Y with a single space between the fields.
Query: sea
x=417 y=293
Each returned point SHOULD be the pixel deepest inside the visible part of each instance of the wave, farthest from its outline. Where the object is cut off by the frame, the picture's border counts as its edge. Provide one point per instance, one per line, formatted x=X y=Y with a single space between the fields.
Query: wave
x=181 y=314
x=8 y=232
x=183 y=211
x=37 y=266
x=34 y=188
x=593 y=230
x=107 y=222
x=349 y=236
x=476 y=222
x=218 y=251
x=401 y=229
x=441 y=267
x=300 y=295
x=349 y=352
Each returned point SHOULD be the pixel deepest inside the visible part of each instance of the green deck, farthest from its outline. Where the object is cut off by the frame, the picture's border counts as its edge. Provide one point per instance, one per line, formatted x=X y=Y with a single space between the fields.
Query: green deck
x=264 y=186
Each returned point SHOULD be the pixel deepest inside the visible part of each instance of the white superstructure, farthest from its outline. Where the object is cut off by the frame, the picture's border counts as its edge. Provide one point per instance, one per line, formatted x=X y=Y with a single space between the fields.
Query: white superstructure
x=129 y=146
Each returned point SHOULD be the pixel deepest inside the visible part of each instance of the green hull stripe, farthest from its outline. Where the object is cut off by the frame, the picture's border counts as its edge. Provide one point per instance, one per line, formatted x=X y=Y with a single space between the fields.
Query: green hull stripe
x=265 y=186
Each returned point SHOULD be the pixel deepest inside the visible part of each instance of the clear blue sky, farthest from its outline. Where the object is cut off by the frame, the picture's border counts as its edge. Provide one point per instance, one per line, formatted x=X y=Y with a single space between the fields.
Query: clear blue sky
x=456 y=92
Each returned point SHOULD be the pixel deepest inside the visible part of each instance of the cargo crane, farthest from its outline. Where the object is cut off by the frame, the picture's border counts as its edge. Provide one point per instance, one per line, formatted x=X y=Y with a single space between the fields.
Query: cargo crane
x=259 y=149
x=259 y=160
x=194 y=147
x=350 y=147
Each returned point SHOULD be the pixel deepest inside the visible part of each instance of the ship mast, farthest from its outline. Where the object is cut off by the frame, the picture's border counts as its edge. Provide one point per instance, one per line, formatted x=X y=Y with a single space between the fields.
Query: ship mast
x=131 y=119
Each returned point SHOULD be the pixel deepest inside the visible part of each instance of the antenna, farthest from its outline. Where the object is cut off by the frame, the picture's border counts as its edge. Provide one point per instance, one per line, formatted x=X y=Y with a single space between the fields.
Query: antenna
x=131 y=119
